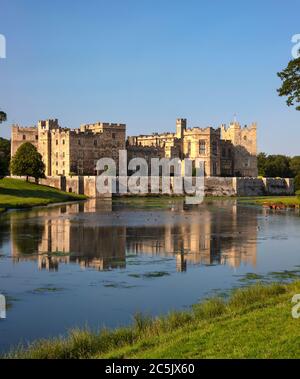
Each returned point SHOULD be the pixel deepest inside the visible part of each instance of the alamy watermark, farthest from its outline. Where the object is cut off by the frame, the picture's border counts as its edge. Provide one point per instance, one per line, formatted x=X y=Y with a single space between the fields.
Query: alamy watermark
x=167 y=176
x=2 y=46
x=2 y=306
x=296 y=47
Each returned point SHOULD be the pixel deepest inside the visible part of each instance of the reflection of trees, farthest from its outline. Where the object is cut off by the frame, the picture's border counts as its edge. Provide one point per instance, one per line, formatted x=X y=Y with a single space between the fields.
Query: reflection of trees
x=4 y=232
x=26 y=236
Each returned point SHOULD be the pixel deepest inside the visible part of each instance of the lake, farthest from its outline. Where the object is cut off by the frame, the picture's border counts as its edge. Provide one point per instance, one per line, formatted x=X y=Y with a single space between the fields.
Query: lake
x=99 y=262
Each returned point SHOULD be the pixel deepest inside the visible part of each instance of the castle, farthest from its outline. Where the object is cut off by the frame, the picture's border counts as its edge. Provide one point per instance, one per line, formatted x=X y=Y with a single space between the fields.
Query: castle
x=71 y=152
x=226 y=151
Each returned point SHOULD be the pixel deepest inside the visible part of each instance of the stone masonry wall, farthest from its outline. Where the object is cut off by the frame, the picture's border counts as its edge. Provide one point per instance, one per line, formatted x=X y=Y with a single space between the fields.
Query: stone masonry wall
x=214 y=186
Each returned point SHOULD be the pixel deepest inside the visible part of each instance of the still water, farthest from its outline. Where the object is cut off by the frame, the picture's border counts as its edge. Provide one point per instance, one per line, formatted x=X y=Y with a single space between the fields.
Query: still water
x=99 y=262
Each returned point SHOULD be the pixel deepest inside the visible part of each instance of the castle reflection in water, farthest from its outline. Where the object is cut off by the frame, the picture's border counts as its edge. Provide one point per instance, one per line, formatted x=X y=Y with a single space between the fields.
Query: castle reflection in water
x=202 y=236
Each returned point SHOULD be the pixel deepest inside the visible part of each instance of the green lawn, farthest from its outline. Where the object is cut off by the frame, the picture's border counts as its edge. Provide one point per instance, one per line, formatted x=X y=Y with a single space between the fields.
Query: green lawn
x=255 y=322
x=16 y=193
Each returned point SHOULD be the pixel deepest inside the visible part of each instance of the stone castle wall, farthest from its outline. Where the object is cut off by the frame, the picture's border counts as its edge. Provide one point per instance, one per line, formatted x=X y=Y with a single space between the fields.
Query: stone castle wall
x=214 y=186
x=20 y=135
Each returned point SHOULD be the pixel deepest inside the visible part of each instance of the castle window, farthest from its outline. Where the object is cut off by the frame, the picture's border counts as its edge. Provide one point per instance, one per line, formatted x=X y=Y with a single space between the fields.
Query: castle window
x=202 y=147
x=56 y=155
x=24 y=137
x=63 y=141
x=189 y=147
x=63 y=155
x=245 y=138
x=79 y=142
x=113 y=135
x=56 y=142
x=214 y=169
x=215 y=148
x=95 y=142
x=36 y=138
x=223 y=152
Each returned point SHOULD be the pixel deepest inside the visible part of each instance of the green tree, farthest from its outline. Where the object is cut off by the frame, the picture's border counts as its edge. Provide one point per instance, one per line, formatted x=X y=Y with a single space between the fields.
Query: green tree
x=278 y=166
x=261 y=164
x=2 y=170
x=28 y=162
x=3 y=116
x=4 y=156
x=290 y=87
x=295 y=165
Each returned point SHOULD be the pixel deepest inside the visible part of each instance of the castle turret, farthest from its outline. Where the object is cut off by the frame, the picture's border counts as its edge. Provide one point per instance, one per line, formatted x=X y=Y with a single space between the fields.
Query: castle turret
x=244 y=140
x=180 y=127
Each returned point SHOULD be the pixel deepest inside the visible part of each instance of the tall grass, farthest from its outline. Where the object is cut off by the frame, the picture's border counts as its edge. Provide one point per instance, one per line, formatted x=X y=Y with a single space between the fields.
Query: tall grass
x=86 y=344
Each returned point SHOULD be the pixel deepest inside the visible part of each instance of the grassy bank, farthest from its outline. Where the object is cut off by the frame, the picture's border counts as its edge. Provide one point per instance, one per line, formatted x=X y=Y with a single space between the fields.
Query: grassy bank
x=270 y=201
x=255 y=322
x=17 y=194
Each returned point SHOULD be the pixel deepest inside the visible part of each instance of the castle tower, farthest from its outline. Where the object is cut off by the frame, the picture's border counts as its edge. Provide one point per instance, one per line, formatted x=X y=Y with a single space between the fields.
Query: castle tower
x=244 y=140
x=180 y=127
x=44 y=142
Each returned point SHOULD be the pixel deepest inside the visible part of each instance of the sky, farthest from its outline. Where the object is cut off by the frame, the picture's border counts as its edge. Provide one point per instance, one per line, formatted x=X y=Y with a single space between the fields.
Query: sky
x=147 y=62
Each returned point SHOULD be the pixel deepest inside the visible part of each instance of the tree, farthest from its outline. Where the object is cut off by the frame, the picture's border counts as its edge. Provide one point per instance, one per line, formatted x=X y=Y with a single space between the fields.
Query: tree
x=290 y=77
x=295 y=165
x=261 y=164
x=28 y=162
x=278 y=166
x=2 y=170
x=3 y=116
x=4 y=156
x=273 y=166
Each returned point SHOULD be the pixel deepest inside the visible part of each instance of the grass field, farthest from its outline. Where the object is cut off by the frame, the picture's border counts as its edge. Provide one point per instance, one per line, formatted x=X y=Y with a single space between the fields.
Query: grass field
x=17 y=194
x=255 y=322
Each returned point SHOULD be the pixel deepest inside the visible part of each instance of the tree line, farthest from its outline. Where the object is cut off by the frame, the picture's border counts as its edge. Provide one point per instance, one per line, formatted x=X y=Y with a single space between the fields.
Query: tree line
x=282 y=166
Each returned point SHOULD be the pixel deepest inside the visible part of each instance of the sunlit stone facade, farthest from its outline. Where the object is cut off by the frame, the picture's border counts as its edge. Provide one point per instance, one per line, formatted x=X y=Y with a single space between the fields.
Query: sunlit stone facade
x=226 y=151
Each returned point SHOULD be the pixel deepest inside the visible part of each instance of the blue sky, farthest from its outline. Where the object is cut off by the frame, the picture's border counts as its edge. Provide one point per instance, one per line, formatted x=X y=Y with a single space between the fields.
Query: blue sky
x=147 y=62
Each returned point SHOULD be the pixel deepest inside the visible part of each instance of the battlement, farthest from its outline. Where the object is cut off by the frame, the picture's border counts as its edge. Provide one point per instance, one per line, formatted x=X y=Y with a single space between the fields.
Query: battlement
x=207 y=130
x=99 y=126
x=237 y=126
x=21 y=129
x=48 y=124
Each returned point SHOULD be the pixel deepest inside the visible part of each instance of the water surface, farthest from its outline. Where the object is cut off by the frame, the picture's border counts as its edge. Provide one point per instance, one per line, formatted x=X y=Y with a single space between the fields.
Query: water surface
x=97 y=263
